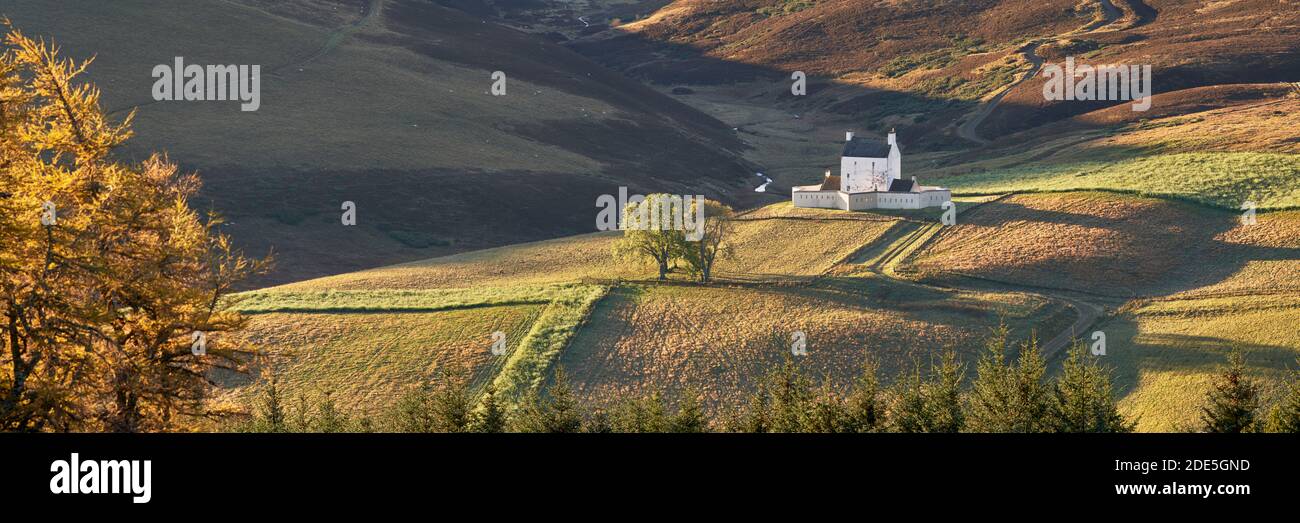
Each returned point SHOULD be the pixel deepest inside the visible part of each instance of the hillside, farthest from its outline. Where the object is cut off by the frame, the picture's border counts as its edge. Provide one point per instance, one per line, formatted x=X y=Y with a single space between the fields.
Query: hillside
x=1171 y=284
x=386 y=103
x=475 y=211
x=639 y=336
x=960 y=81
x=940 y=59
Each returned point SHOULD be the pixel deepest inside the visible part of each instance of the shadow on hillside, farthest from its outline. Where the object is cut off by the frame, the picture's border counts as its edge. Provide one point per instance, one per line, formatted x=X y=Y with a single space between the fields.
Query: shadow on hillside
x=669 y=64
x=1182 y=353
x=1153 y=250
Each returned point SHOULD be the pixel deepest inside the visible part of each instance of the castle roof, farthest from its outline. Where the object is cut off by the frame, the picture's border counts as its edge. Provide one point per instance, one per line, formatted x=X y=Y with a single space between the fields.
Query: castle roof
x=902 y=185
x=860 y=147
x=831 y=183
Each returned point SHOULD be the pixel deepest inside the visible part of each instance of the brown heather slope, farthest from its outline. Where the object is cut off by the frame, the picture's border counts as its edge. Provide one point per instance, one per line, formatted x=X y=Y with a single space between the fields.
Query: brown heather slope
x=1116 y=246
x=385 y=103
x=1188 y=44
x=878 y=61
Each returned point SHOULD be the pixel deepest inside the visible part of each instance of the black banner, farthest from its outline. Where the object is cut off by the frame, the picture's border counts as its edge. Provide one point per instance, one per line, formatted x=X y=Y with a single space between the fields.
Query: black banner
x=322 y=472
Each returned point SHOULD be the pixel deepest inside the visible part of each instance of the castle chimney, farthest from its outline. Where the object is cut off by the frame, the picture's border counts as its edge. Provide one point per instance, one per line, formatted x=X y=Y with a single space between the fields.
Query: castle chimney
x=848 y=137
x=892 y=140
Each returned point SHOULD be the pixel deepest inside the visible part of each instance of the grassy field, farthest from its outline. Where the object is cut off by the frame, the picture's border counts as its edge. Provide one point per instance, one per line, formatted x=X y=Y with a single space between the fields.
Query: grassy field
x=1224 y=179
x=1212 y=282
x=1166 y=353
x=367 y=360
x=719 y=340
x=789 y=257
x=365 y=347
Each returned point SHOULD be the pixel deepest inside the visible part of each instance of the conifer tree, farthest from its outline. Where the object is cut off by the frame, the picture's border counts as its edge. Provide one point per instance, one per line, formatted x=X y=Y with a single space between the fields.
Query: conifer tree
x=114 y=301
x=329 y=419
x=641 y=414
x=1285 y=416
x=791 y=394
x=414 y=411
x=1231 y=403
x=943 y=395
x=452 y=403
x=557 y=412
x=1010 y=397
x=1083 y=400
x=909 y=412
x=827 y=413
x=930 y=402
x=271 y=409
x=864 y=409
x=491 y=416
x=689 y=417
x=598 y=422
x=755 y=417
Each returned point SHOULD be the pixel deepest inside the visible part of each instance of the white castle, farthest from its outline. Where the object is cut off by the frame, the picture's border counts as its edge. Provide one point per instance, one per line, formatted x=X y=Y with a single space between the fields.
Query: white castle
x=871 y=177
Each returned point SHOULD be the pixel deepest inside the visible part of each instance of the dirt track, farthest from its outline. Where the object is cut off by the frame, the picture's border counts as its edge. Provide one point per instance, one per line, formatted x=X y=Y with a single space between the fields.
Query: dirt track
x=967 y=130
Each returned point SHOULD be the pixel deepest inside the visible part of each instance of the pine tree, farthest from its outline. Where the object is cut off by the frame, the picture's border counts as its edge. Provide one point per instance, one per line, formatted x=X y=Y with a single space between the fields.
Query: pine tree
x=640 y=415
x=557 y=412
x=599 y=423
x=414 y=411
x=1285 y=416
x=329 y=419
x=1083 y=401
x=791 y=394
x=827 y=413
x=755 y=417
x=909 y=412
x=491 y=417
x=452 y=404
x=1230 y=406
x=943 y=396
x=1010 y=397
x=565 y=414
x=690 y=416
x=864 y=409
x=930 y=402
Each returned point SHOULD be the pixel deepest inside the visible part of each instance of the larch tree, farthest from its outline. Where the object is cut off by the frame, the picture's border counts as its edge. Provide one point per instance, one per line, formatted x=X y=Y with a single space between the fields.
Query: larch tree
x=112 y=290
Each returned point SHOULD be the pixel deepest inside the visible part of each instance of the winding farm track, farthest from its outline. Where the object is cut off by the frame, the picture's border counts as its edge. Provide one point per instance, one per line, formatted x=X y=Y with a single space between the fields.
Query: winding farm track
x=893 y=256
x=967 y=130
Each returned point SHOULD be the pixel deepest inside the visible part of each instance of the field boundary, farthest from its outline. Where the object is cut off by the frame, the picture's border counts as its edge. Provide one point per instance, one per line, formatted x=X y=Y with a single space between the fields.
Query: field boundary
x=526 y=368
x=1129 y=192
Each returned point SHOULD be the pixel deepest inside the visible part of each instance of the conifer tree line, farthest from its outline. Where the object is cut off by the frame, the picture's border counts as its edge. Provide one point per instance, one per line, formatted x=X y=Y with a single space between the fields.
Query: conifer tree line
x=1010 y=392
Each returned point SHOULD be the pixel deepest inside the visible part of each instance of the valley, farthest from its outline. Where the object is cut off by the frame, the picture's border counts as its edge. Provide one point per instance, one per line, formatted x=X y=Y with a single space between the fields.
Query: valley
x=475 y=213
